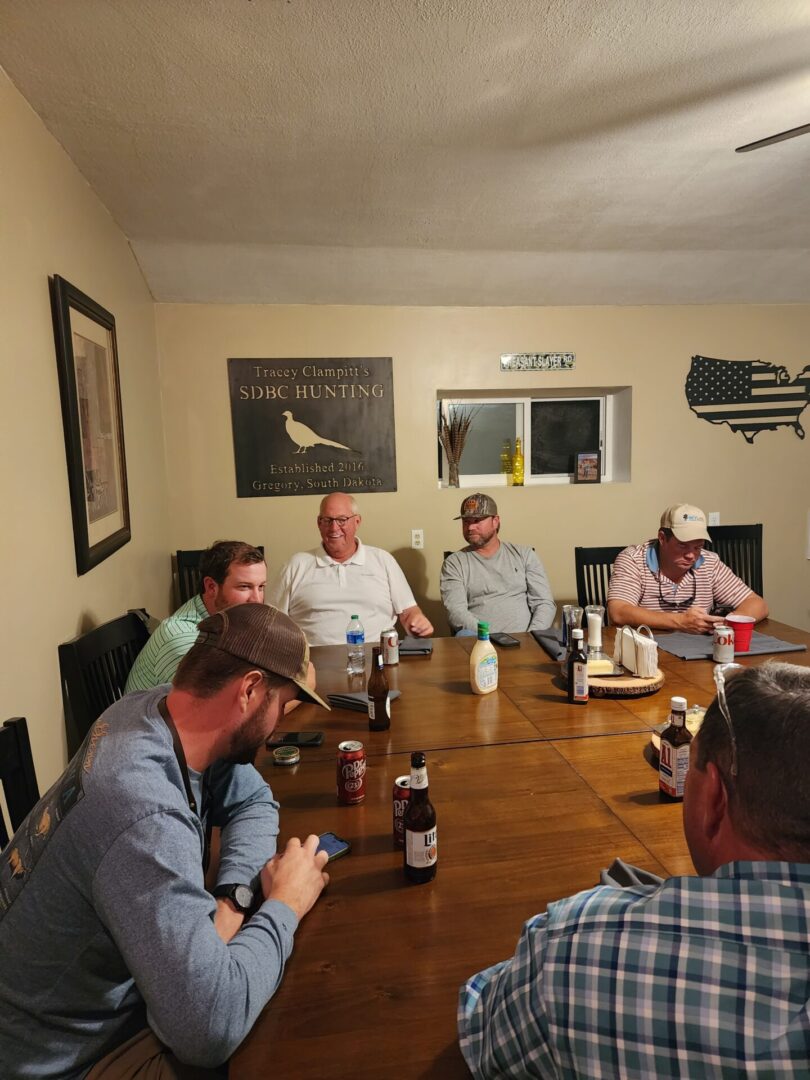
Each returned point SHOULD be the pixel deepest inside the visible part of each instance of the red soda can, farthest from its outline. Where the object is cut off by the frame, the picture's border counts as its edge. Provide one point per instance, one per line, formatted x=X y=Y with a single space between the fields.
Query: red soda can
x=402 y=793
x=351 y=772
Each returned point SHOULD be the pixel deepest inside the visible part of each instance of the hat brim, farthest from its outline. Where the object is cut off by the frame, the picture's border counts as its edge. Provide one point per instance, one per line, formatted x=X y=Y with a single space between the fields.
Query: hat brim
x=687 y=533
x=305 y=694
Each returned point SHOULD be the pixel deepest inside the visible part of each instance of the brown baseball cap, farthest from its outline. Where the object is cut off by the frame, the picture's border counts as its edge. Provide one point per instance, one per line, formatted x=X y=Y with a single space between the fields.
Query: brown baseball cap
x=477 y=506
x=687 y=522
x=264 y=636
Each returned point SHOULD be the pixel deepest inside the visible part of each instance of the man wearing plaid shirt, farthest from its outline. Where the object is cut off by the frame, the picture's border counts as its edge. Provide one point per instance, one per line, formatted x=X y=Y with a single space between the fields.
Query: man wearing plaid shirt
x=703 y=976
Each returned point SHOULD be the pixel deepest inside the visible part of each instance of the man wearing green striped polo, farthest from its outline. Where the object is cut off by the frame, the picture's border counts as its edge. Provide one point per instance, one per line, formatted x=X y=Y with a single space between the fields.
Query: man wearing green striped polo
x=231 y=572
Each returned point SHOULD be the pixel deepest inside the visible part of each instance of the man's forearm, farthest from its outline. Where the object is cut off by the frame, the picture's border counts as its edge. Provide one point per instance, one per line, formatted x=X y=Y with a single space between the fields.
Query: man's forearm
x=620 y=613
x=228 y=919
x=754 y=606
x=455 y=603
x=543 y=614
x=243 y=805
x=416 y=622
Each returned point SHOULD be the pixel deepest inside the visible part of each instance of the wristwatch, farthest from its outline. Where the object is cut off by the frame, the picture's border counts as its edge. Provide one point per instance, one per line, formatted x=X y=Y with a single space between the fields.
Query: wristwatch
x=241 y=896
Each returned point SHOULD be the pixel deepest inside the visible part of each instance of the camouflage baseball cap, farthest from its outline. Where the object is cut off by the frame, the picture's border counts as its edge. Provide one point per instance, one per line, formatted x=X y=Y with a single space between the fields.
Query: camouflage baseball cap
x=477 y=506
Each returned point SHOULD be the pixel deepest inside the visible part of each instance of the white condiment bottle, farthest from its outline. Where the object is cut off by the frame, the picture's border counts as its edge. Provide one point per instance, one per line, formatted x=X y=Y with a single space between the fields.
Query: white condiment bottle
x=483 y=663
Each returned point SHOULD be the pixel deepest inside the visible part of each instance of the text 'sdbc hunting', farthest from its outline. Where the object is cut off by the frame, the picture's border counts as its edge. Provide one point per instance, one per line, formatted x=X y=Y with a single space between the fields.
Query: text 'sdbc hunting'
x=310 y=427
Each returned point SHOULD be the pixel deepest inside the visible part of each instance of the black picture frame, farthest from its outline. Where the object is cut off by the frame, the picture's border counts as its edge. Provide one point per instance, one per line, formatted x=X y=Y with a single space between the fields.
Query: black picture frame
x=89 y=387
x=588 y=467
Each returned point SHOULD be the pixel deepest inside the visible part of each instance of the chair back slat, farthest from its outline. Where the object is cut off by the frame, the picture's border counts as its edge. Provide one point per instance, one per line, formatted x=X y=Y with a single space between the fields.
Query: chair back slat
x=17 y=775
x=94 y=670
x=593 y=567
x=740 y=548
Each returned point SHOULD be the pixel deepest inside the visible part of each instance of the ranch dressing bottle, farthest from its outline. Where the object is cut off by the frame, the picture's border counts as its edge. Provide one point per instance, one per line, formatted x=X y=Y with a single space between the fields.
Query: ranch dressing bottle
x=483 y=663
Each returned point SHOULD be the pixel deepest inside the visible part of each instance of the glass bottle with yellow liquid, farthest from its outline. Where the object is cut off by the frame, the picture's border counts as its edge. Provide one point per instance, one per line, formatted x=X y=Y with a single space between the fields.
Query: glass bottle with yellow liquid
x=517 y=463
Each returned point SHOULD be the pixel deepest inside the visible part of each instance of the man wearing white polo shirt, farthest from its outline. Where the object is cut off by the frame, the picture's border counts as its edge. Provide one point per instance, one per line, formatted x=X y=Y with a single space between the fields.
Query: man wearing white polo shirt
x=671 y=583
x=321 y=589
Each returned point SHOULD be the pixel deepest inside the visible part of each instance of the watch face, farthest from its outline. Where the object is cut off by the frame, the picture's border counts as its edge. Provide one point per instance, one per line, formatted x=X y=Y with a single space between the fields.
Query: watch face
x=242 y=897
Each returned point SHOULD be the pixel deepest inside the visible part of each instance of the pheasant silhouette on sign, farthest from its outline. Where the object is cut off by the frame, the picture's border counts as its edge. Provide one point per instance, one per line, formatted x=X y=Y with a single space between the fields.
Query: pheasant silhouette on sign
x=304 y=436
x=748 y=395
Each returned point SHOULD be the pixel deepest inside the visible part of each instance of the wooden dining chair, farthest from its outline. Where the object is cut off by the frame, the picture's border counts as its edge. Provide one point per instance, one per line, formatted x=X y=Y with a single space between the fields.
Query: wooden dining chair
x=93 y=669
x=740 y=548
x=188 y=572
x=593 y=567
x=17 y=776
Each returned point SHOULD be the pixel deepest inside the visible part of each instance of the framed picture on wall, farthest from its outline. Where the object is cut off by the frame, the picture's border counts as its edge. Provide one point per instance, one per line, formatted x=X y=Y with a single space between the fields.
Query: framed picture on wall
x=588 y=467
x=87 y=362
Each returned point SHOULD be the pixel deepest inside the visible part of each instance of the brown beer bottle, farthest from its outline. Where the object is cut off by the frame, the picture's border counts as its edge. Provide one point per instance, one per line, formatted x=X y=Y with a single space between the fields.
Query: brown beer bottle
x=420 y=826
x=577 y=671
x=673 y=757
x=379 y=706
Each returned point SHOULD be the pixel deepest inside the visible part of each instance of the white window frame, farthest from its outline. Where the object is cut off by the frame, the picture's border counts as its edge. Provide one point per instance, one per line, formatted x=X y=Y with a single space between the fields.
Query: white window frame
x=606 y=435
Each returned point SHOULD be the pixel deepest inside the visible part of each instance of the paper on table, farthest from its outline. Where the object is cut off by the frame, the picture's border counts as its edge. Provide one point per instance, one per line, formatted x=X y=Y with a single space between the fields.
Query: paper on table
x=550 y=642
x=699 y=646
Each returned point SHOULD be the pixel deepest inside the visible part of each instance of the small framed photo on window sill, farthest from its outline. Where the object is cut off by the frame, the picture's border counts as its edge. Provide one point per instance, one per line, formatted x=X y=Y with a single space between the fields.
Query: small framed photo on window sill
x=588 y=467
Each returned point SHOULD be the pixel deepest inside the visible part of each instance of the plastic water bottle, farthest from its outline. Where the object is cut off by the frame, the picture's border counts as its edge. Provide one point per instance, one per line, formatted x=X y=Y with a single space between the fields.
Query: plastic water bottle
x=355 y=647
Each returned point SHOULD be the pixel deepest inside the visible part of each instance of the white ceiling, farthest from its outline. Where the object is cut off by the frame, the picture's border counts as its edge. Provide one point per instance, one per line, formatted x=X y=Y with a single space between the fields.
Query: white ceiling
x=435 y=151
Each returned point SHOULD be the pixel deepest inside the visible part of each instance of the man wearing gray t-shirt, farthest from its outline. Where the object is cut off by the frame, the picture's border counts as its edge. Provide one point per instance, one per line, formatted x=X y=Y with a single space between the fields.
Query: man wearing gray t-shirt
x=491 y=580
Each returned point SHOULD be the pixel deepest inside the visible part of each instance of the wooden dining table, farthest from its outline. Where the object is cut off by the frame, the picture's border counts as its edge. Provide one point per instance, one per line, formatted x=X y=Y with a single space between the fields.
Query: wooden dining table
x=533 y=798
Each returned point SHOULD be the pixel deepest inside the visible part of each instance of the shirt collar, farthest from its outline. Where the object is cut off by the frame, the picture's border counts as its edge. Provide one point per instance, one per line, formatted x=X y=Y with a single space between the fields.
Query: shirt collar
x=200 y=608
x=359 y=557
x=651 y=557
x=797 y=873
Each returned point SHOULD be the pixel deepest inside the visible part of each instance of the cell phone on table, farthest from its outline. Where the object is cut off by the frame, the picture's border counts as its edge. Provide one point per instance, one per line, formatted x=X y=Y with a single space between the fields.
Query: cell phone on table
x=295 y=738
x=333 y=845
x=506 y=641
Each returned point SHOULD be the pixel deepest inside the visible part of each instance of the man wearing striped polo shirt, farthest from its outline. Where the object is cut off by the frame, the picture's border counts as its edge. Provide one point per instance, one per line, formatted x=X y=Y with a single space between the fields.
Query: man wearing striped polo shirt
x=671 y=583
x=231 y=572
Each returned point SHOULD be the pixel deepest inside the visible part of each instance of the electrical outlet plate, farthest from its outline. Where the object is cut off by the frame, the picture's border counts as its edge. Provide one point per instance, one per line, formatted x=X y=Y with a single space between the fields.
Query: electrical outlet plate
x=417 y=539
x=714 y=517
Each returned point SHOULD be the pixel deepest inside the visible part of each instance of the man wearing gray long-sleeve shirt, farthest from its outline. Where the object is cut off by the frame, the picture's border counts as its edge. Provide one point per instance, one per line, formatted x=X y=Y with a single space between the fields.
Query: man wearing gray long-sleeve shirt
x=491 y=580
x=114 y=954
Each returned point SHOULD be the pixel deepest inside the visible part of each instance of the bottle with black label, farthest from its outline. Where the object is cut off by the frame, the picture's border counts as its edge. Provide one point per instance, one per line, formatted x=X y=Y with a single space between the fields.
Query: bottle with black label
x=420 y=826
x=379 y=705
x=577 y=671
x=673 y=757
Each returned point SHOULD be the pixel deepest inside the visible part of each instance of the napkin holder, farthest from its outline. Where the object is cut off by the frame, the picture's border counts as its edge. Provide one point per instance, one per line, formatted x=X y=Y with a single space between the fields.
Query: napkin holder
x=636 y=651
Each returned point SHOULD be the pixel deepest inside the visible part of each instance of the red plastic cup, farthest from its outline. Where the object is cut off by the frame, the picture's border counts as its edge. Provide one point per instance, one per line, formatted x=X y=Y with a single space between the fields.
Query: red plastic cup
x=743 y=629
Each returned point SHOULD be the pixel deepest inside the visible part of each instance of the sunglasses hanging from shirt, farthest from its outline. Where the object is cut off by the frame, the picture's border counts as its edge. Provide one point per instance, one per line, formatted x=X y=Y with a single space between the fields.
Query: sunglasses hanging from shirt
x=677 y=605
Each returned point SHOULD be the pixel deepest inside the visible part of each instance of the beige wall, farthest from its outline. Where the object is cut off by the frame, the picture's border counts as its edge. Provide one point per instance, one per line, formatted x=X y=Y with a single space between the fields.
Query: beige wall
x=184 y=496
x=675 y=456
x=53 y=223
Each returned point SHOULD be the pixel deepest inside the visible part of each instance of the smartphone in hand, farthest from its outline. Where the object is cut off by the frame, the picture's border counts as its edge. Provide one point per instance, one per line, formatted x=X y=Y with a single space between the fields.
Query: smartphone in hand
x=333 y=845
x=295 y=738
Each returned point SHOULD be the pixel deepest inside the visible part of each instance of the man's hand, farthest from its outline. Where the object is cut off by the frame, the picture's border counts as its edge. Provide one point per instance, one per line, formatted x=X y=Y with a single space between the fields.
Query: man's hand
x=296 y=876
x=415 y=622
x=695 y=620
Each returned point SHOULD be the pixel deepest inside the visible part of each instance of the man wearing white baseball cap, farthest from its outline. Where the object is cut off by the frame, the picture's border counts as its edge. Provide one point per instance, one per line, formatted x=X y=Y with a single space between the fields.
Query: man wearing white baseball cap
x=671 y=583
